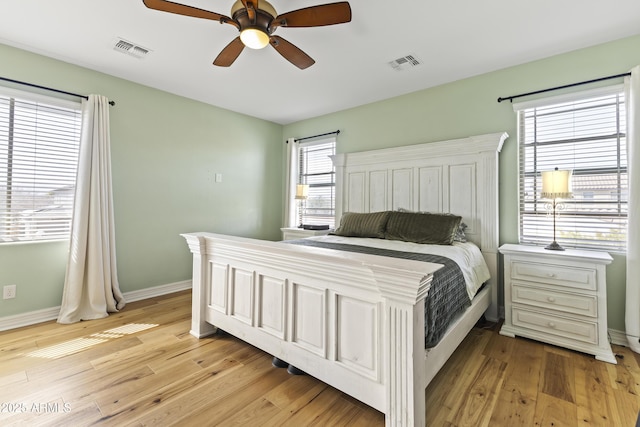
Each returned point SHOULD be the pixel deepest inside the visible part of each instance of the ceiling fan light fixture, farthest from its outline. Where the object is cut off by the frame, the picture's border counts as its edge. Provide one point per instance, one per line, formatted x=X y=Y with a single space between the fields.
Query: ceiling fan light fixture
x=254 y=38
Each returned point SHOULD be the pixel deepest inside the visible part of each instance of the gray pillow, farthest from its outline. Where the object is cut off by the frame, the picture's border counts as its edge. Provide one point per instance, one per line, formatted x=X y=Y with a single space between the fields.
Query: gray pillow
x=363 y=224
x=435 y=229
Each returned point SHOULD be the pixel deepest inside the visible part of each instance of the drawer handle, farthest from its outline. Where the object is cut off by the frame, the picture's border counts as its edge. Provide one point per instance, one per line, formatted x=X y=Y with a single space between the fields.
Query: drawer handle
x=552 y=325
x=551 y=299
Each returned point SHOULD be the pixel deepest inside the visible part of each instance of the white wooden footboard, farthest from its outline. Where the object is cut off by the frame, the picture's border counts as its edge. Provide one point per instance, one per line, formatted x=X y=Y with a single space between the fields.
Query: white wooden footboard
x=354 y=321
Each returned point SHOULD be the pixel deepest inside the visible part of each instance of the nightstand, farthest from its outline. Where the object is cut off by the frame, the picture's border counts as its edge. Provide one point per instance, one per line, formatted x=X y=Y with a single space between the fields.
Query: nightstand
x=558 y=297
x=290 y=233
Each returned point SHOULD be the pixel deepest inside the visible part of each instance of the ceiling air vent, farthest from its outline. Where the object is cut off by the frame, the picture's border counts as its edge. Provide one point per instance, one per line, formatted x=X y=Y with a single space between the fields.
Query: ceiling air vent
x=405 y=62
x=124 y=46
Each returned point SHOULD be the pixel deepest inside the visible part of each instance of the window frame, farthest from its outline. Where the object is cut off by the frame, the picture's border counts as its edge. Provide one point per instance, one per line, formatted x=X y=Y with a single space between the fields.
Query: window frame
x=304 y=177
x=574 y=207
x=52 y=223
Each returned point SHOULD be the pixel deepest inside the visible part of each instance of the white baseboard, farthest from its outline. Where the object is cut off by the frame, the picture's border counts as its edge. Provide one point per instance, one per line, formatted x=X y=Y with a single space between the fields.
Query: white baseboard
x=156 y=291
x=47 y=314
x=618 y=337
x=30 y=318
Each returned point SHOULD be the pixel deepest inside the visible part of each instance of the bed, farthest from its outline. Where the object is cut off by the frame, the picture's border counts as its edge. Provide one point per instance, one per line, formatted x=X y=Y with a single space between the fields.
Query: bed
x=352 y=319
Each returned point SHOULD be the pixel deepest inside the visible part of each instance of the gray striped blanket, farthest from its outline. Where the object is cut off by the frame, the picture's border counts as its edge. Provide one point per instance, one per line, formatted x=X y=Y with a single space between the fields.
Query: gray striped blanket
x=447 y=296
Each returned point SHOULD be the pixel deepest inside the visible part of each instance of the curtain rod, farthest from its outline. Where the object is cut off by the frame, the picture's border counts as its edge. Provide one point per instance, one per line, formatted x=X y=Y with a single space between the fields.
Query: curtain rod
x=316 y=136
x=49 y=89
x=512 y=97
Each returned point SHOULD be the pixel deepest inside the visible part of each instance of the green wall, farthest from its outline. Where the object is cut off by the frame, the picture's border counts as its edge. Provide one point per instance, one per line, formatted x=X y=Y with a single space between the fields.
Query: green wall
x=470 y=107
x=165 y=151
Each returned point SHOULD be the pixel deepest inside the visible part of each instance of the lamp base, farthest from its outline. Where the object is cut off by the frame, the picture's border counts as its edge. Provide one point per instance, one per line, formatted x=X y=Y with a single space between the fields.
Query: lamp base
x=554 y=246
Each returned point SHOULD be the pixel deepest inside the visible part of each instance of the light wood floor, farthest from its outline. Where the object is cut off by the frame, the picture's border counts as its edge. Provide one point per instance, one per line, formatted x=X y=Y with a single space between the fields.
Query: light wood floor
x=152 y=372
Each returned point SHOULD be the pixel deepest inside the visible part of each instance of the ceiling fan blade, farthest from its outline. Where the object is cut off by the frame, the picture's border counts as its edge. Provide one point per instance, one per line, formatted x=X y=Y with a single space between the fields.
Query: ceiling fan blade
x=291 y=53
x=315 y=16
x=181 y=9
x=230 y=53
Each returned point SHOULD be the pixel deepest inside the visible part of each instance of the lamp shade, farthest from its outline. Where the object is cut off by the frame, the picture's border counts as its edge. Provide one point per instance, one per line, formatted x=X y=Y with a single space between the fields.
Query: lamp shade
x=556 y=184
x=302 y=191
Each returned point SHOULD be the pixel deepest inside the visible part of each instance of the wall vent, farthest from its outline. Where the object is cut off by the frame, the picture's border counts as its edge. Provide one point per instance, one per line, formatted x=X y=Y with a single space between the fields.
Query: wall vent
x=124 y=46
x=405 y=62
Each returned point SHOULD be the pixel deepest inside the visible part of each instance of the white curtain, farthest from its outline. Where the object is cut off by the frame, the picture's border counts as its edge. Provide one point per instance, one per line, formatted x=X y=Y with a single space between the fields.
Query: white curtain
x=291 y=181
x=632 y=312
x=91 y=289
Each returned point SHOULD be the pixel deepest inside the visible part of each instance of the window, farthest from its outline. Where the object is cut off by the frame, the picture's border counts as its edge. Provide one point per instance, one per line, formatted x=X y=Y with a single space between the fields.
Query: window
x=316 y=169
x=39 y=143
x=585 y=133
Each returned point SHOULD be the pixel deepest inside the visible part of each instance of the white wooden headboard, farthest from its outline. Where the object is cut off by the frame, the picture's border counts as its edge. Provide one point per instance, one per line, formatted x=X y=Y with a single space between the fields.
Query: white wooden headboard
x=458 y=176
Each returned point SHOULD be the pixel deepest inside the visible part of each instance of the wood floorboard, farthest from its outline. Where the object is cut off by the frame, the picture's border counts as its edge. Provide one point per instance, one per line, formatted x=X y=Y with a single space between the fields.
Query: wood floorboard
x=141 y=367
x=517 y=397
x=592 y=387
x=448 y=389
x=552 y=411
x=479 y=399
x=558 y=378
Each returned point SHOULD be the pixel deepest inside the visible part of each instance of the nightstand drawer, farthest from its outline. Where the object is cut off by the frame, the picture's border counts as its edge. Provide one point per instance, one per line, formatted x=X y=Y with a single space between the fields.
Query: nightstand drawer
x=586 y=305
x=566 y=328
x=578 y=278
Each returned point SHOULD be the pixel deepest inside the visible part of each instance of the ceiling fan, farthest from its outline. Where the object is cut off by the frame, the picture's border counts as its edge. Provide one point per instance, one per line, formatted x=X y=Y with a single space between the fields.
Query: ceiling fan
x=257 y=20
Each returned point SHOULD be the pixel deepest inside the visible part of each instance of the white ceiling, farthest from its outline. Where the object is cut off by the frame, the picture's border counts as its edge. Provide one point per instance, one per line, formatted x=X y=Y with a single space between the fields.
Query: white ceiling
x=454 y=39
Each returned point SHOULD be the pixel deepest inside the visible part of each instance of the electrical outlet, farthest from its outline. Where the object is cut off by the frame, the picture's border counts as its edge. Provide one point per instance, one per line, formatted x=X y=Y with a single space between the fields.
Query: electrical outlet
x=9 y=291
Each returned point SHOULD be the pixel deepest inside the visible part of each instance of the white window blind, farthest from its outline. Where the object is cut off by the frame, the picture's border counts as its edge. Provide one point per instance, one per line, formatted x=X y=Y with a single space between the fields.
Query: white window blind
x=39 y=144
x=316 y=170
x=585 y=134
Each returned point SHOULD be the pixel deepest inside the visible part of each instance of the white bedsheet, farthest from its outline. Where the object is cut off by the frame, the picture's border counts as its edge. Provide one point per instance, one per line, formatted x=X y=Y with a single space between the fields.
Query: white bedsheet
x=466 y=255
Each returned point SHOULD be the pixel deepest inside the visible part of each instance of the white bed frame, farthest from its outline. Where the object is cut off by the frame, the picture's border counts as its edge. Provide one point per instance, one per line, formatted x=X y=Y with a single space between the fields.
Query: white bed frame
x=356 y=321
